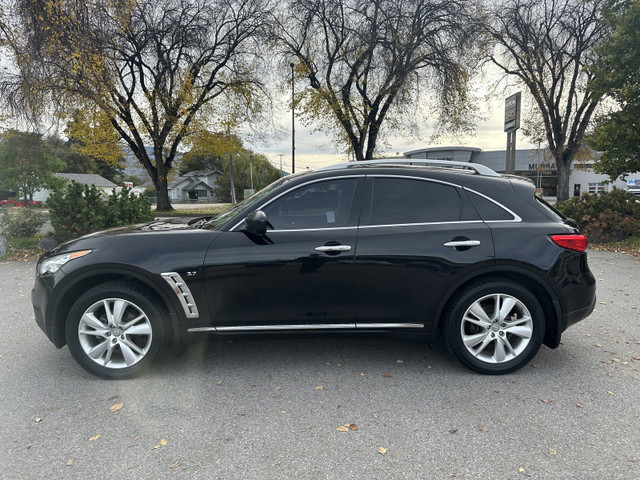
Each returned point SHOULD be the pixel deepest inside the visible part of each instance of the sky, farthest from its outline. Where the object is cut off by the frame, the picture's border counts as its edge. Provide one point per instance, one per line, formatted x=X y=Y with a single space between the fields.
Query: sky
x=316 y=149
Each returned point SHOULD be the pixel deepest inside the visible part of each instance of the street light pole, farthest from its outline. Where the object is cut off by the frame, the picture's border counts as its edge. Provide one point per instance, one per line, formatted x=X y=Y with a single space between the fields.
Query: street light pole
x=293 y=121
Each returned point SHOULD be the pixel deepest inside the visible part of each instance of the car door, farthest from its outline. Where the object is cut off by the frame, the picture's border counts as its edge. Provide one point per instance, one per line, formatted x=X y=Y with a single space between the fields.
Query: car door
x=301 y=274
x=417 y=237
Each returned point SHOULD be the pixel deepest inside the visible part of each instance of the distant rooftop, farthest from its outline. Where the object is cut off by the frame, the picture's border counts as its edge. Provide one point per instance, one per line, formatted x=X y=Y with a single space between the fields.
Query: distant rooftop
x=87 y=179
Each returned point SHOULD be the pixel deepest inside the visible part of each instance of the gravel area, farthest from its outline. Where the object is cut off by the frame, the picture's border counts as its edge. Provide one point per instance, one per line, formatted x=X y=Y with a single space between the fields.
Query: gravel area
x=271 y=408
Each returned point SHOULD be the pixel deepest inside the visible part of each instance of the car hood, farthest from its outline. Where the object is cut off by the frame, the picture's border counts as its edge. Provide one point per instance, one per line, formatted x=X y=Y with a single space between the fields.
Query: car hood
x=157 y=226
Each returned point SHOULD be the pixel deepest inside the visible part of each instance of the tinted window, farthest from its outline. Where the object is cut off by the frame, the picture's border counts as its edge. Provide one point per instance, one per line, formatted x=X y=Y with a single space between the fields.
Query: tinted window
x=319 y=205
x=402 y=200
x=488 y=210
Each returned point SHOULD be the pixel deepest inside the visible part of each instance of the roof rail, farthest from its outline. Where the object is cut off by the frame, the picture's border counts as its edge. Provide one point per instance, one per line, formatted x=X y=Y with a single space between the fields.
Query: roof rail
x=476 y=167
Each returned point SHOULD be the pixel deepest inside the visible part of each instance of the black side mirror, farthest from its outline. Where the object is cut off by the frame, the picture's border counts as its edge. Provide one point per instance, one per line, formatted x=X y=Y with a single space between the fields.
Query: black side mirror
x=256 y=223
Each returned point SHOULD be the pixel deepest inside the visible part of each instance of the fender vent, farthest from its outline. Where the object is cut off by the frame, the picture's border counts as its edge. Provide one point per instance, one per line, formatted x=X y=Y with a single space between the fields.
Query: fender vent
x=181 y=289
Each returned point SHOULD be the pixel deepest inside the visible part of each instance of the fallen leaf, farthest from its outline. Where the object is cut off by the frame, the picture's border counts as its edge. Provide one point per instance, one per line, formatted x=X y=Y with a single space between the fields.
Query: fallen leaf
x=429 y=366
x=112 y=398
x=220 y=382
x=603 y=303
x=175 y=465
x=328 y=364
x=37 y=420
x=116 y=407
x=362 y=374
x=610 y=393
x=545 y=400
x=482 y=429
x=95 y=437
x=521 y=469
x=382 y=450
x=283 y=411
x=352 y=426
x=579 y=405
x=552 y=451
x=625 y=363
x=69 y=462
x=399 y=361
x=597 y=345
x=320 y=387
x=374 y=415
x=342 y=429
x=636 y=358
x=163 y=442
x=339 y=364
x=386 y=375
x=453 y=430
x=616 y=360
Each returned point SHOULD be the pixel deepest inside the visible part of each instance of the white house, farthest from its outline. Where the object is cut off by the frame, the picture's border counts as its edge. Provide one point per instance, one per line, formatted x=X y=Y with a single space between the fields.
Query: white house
x=203 y=182
x=102 y=183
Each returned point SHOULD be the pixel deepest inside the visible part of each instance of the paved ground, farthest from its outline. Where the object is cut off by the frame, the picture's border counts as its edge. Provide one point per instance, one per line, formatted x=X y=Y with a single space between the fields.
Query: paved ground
x=253 y=409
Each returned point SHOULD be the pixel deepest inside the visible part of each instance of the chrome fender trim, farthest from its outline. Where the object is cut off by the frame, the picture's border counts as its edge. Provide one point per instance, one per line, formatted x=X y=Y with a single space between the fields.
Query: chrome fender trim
x=183 y=293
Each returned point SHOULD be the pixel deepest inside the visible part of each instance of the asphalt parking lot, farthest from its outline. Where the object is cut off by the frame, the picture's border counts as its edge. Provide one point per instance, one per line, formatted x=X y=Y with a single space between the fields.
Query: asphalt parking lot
x=271 y=408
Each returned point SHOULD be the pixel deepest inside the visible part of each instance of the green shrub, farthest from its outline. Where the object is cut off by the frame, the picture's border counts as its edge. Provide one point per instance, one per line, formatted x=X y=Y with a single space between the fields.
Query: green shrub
x=77 y=210
x=607 y=217
x=21 y=221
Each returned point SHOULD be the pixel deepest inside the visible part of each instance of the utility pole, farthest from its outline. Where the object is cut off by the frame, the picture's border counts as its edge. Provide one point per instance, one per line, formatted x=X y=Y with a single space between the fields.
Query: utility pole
x=281 y=172
x=233 y=186
x=293 y=121
x=251 y=169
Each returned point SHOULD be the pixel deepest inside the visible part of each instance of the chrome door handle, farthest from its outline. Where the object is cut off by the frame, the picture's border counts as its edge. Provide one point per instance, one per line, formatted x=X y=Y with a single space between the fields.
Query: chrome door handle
x=334 y=248
x=463 y=243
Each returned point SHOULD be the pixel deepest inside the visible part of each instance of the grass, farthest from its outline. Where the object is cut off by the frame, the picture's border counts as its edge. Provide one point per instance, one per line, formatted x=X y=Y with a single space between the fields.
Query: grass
x=23 y=249
x=191 y=212
x=629 y=245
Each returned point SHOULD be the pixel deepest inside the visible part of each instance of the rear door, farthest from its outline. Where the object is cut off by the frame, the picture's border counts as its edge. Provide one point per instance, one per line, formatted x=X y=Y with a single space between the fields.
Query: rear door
x=417 y=237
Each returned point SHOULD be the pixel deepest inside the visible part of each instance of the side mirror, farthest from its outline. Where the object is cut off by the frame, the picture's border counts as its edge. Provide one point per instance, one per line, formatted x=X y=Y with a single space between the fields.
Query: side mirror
x=256 y=223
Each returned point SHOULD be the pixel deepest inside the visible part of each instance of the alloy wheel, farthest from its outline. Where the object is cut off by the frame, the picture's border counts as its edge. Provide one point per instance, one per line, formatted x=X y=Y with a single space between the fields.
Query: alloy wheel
x=115 y=333
x=496 y=328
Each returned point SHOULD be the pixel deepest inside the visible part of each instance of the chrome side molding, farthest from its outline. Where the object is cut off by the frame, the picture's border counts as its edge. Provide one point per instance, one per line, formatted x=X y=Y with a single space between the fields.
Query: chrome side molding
x=322 y=326
x=183 y=293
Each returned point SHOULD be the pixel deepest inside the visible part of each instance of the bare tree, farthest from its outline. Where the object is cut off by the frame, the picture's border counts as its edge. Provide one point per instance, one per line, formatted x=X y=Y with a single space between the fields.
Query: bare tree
x=144 y=68
x=548 y=45
x=367 y=61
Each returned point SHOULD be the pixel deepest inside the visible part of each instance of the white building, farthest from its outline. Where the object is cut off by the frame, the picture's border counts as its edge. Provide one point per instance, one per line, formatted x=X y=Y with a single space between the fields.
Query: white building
x=102 y=183
x=201 y=181
x=533 y=163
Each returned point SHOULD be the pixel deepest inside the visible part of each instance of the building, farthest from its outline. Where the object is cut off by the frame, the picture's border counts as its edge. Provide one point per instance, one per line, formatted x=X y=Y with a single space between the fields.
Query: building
x=102 y=183
x=533 y=163
x=203 y=182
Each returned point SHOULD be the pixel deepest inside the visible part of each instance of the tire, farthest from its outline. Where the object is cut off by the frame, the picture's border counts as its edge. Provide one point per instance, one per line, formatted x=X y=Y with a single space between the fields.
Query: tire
x=126 y=345
x=489 y=343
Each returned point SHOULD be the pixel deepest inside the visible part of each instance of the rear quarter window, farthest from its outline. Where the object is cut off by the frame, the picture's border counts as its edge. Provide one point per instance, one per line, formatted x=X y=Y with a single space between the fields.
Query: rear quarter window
x=488 y=210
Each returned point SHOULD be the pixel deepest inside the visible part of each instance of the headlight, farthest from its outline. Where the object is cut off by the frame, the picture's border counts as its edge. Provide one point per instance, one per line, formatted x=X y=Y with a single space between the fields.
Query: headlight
x=51 y=265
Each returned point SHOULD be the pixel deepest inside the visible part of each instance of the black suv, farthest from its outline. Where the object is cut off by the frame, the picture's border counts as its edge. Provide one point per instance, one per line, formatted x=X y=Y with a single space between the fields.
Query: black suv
x=414 y=247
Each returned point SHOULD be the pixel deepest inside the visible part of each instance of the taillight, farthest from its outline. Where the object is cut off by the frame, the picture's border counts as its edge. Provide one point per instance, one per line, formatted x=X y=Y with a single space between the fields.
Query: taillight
x=577 y=243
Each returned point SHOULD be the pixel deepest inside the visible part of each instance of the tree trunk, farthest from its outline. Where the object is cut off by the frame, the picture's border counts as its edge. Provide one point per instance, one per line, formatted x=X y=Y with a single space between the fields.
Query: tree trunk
x=162 y=193
x=563 y=165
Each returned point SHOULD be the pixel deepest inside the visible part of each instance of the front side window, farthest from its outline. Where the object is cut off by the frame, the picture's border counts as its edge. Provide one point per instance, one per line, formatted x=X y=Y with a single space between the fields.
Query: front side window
x=323 y=204
x=403 y=200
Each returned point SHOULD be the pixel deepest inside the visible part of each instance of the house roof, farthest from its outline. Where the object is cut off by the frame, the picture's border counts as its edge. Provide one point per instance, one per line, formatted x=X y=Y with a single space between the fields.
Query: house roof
x=201 y=173
x=189 y=184
x=87 y=179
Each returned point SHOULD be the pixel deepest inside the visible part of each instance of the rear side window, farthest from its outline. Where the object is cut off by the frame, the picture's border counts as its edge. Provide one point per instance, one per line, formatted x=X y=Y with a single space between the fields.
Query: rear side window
x=552 y=212
x=488 y=210
x=404 y=200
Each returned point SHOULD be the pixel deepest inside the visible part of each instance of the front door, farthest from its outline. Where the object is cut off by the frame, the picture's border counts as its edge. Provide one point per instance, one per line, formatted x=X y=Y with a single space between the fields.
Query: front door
x=301 y=274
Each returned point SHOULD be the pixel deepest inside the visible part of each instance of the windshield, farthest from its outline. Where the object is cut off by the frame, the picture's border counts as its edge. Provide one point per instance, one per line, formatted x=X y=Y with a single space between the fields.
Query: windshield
x=228 y=214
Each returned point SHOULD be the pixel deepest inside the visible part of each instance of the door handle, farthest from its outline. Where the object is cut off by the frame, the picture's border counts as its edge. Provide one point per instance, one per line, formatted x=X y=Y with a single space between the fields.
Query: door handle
x=462 y=243
x=334 y=248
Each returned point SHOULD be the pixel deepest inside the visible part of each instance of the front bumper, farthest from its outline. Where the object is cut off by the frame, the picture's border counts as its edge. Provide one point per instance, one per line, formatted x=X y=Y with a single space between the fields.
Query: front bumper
x=41 y=297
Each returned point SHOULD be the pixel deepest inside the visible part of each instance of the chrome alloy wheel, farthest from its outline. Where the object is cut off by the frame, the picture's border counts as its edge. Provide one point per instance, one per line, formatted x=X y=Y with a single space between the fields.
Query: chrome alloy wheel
x=115 y=333
x=496 y=328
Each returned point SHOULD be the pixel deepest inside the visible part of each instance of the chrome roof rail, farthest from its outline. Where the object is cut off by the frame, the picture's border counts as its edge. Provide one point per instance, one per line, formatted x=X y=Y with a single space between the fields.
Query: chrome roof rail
x=476 y=167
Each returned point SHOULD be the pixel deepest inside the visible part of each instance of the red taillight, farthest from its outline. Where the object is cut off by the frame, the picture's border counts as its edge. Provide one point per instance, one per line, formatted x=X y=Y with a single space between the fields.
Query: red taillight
x=577 y=243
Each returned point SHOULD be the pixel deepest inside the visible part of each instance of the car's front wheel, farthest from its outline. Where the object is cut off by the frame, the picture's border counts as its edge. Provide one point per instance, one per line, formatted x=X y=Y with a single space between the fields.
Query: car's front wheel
x=494 y=327
x=114 y=330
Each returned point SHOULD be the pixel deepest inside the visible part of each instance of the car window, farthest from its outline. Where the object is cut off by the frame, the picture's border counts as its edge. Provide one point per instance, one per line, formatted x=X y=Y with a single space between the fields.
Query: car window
x=404 y=200
x=320 y=205
x=488 y=210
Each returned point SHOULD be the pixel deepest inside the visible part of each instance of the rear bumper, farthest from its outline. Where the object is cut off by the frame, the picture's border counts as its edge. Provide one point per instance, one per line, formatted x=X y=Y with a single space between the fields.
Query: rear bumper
x=577 y=315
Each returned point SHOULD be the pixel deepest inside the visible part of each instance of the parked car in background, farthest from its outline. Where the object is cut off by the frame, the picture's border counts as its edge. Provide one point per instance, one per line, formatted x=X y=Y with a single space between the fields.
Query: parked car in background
x=635 y=189
x=424 y=248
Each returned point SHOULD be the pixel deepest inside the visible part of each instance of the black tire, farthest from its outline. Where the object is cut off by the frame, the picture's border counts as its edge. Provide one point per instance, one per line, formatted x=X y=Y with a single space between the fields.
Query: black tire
x=135 y=299
x=484 y=292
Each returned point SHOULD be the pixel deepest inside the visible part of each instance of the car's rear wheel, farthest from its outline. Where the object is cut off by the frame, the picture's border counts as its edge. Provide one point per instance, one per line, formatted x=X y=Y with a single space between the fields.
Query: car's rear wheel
x=494 y=327
x=114 y=330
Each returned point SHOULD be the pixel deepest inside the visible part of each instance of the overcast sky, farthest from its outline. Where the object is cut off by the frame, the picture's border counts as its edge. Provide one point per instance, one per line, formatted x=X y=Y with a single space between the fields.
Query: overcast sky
x=318 y=149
